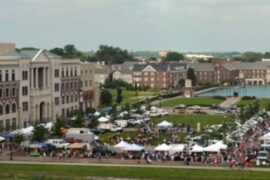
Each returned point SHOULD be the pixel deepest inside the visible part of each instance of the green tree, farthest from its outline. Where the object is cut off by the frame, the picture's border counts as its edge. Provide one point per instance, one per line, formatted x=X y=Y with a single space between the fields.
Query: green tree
x=112 y=55
x=57 y=127
x=18 y=138
x=191 y=75
x=58 y=51
x=119 y=97
x=174 y=56
x=39 y=133
x=106 y=97
x=252 y=56
x=79 y=121
x=266 y=55
x=93 y=123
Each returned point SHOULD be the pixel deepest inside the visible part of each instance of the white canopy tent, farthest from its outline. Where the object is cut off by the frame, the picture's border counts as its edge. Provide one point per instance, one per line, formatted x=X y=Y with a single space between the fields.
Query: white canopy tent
x=2 y=138
x=121 y=145
x=133 y=147
x=163 y=147
x=216 y=147
x=177 y=148
x=103 y=119
x=266 y=137
x=197 y=149
x=165 y=124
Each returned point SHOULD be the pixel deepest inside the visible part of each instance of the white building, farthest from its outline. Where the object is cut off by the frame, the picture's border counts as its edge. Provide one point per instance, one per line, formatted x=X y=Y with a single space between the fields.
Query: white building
x=36 y=86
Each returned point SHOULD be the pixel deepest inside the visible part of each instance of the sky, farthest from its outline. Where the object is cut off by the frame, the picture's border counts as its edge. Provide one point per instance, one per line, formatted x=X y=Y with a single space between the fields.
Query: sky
x=176 y=25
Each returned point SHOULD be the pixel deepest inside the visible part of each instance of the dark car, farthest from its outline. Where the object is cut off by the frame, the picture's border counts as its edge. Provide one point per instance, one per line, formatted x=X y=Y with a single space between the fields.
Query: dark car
x=103 y=150
x=97 y=131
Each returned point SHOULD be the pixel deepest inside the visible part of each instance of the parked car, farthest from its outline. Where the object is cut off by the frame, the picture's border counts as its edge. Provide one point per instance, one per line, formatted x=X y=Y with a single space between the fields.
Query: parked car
x=58 y=143
x=103 y=150
x=262 y=158
x=97 y=131
x=199 y=112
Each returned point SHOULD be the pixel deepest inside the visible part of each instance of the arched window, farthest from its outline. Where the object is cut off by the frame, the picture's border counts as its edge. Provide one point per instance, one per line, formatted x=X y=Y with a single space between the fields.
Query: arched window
x=13 y=107
x=1 y=109
x=7 y=109
x=6 y=77
x=13 y=75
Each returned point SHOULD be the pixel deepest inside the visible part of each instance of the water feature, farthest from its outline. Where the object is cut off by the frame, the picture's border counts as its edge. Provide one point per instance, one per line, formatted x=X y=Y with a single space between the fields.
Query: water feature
x=262 y=91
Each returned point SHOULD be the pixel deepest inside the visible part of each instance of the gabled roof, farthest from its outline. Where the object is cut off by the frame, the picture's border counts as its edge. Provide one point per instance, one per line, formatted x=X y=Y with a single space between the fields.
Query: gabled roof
x=201 y=66
x=236 y=65
x=162 y=67
x=29 y=54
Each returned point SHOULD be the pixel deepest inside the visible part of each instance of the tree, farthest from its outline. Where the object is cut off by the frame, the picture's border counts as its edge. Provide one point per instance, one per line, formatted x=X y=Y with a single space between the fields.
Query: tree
x=174 y=56
x=105 y=97
x=112 y=55
x=119 y=97
x=57 y=127
x=58 y=51
x=252 y=56
x=266 y=55
x=181 y=82
x=79 y=121
x=39 y=133
x=191 y=75
x=18 y=138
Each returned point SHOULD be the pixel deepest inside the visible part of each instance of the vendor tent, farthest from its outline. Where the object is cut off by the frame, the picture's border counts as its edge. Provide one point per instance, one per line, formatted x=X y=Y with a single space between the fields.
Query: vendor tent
x=266 y=137
x=197 y=148
x=2 y=139
x=133 y=147
x=216 y=147
x=163 y=147
x=77 y=145
x=121 y=144
x=165 y=124
x=103 y=119
x=177 y=148
x=221 y=145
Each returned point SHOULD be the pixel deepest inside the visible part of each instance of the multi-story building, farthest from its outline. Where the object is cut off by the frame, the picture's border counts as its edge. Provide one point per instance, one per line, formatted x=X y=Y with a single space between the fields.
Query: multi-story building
x=163 y=75
x=89 y=90
x=36 y=85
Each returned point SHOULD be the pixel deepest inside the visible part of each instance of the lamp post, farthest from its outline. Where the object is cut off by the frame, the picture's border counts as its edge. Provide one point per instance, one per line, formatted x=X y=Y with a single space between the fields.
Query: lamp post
x=10 y=144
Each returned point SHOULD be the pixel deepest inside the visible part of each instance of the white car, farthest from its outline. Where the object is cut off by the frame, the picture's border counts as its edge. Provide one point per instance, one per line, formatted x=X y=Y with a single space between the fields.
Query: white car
x=58 y=143
x=164 y=113
x=154 y=114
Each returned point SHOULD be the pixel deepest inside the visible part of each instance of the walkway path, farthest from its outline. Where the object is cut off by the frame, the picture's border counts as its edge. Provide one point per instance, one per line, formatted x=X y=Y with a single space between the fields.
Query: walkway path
x=229 y=102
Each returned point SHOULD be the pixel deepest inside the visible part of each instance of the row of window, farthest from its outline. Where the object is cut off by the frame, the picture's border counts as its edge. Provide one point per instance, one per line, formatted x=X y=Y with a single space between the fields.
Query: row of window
x=86 y=83
x=7 y=110
x=69 y=72
x=6 y=76
x=6 y=93
x=69 y=86
x=8 y=126
x=69 y=111
x=69 y=99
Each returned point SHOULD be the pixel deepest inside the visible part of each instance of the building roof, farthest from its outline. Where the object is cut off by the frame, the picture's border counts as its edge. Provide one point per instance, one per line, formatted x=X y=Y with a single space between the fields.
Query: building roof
x=201 y=66
x=29 y=54
x=236 y=65
x=162 y=67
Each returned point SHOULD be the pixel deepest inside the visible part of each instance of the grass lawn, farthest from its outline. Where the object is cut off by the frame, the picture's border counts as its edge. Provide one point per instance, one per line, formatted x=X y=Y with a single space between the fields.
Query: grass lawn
x=13 y=171
x=263 y=102
x=129 y=96
x=125 y=134
x=192 y=119
x=201 y=101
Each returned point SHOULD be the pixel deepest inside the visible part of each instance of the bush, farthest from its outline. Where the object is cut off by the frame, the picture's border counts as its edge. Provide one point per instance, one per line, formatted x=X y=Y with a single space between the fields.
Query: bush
x=248 y=98
x=115 y=84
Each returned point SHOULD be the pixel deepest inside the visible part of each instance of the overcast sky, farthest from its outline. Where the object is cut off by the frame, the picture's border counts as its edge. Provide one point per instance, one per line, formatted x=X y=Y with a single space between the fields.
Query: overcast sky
x=181 y=25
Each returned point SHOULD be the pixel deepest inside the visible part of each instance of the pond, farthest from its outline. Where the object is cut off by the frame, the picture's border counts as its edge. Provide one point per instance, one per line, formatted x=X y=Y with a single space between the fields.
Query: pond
x=262 y=91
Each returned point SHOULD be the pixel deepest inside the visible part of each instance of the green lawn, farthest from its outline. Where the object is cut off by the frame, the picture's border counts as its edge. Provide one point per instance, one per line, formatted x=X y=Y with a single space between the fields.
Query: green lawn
x=125 y=134
x=263 y=102
x=201 y=101
x=15 y=171
x=192 y=119
x=129 y=96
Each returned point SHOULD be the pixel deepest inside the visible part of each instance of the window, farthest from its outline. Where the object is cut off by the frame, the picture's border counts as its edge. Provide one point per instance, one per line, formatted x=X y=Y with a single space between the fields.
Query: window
x=7 y=109
x=71 y=71
x=13 y=75
x=71 y=98
x=13 y=125
x=71 y=85
x=76 y=97
x=66 y=86
x=1 y=93
x=7 y=92
x=63 y=112
x=85 y=83
x=25 y=106
x=25 y=91
x=56 y=101
x=63 y=99
x=56 y=73
x=67 y=99
x=25 y=75
x=90 y=83
x=1 y=110
x=6 y=77
x=63 y=72
x=13 y=108
x=1 y=125
x=56 y=87
x=66 y=72
x=0 y=76
x=7 y=124
x=13 y=92
x=75 y=71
